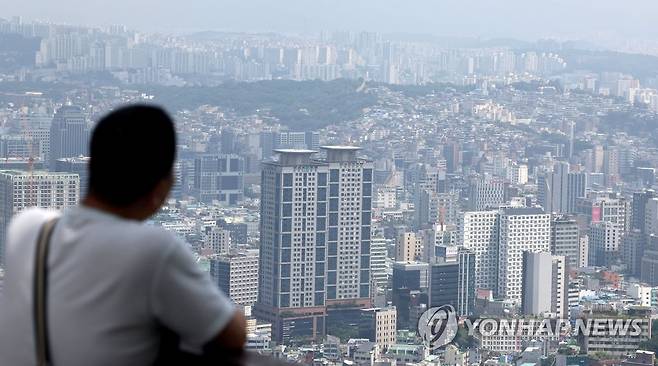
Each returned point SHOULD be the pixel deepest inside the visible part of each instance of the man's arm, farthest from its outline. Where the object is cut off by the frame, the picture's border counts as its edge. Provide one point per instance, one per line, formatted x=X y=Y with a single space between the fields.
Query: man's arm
x=186 y=301
x=234 y=335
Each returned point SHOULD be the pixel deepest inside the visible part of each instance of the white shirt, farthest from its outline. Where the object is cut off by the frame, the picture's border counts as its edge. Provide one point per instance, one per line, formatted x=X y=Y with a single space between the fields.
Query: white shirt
x=111 y=282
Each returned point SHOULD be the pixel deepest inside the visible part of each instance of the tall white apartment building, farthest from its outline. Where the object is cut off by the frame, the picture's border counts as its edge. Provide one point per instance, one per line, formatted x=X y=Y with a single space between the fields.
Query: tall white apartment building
x=315 y=238
x=20 y=190
x=478 y=232
x=236 y=274
x=348 y=226
x=560 y=286
x=293 y=244
x=521 y=230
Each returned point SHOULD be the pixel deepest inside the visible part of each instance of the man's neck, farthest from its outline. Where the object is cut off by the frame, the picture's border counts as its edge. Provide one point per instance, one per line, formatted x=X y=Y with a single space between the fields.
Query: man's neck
x=131 y=212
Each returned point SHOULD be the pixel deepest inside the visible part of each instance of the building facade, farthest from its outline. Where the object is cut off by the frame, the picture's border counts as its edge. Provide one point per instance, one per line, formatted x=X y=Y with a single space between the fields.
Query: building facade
x=565 y=239
x=69 y=134
x=20 y=190
x=478 y=232
x=236 y=275
x=521 y=230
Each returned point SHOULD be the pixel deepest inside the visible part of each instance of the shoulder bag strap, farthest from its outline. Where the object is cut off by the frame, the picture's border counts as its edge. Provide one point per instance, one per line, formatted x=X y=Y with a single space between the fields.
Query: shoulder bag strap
x=40 y=293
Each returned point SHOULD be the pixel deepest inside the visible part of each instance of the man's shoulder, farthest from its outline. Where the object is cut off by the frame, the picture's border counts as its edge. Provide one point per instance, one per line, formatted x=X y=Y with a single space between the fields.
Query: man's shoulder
x=31 y=216
x=24 y=228
x=27 y=221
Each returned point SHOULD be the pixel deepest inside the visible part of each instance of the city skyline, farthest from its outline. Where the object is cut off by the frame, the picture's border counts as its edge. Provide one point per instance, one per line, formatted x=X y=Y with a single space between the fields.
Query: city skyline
x=559 y=19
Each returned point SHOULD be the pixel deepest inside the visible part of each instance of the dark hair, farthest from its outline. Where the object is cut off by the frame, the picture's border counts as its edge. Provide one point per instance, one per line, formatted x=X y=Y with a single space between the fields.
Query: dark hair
x=132 y=149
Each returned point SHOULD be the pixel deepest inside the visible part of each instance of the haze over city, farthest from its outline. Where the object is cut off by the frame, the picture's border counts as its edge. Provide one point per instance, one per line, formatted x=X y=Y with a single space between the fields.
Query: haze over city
x=521 y=19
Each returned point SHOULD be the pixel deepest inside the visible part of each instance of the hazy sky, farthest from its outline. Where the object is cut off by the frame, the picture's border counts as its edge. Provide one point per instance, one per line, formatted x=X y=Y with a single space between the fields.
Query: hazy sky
x=527 y=19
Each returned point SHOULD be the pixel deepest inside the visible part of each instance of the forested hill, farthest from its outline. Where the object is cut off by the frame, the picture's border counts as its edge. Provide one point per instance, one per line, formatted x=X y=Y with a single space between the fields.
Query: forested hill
x=301 y=105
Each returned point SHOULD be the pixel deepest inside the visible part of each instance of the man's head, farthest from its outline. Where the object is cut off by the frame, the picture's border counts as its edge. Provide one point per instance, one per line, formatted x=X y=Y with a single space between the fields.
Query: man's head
x=132 y=155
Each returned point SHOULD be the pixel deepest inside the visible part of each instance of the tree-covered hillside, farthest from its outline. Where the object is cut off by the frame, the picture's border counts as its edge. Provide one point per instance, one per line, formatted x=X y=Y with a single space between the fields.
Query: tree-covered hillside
x=301 y=105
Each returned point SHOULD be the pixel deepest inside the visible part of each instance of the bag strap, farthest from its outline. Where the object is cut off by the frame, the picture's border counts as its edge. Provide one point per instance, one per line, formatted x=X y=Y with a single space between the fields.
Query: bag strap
x=40 y=293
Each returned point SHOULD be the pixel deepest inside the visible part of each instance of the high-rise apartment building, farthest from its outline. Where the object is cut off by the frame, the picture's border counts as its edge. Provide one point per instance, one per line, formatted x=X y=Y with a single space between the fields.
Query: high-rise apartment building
x=379 y=326
x=552 y=188
x=452 y=282
x=349 y=225
x=558 y=190
x=651 y=217
x=293 y=245
x=632 y=246
x=649 y=262
x=560 y=286
x=315 y=238
x=69 y=134
x=517 y=174
x=20 y=190
x=544 y=284
x=76 y=165
x=478 y=232
x=436 y=208
x=576 y=188
x=410 y=285
x=485 y=195
x=638 y=208
x=604 y=243
x=537 y=277
x=236 y=274
x=606 y=207
x=521 y=230
x=565 y=239
x=219 y=177
x=409 y=247
x=217 y=240
x=378 y=267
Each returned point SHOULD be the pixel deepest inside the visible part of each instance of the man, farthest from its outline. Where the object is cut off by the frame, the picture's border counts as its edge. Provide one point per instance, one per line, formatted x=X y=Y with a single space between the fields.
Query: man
x=114 y=282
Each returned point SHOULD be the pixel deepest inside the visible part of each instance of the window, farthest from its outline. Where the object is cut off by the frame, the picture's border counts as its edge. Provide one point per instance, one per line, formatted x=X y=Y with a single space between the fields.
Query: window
x=235 y=165
x=287 y=195
x=331 y=278
x=287 y=179
x=231 y=182
x=333 y=190
x=367 y=175
x=322 y=194
x=321 y=209
x=322 y=179
x=287 y=210
x=286 y=225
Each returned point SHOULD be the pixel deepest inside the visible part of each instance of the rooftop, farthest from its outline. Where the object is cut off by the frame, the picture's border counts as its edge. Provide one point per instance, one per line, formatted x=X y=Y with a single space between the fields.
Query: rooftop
x=340 y=147
x=524 y=211
x=34 y=173
x=294 y=151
